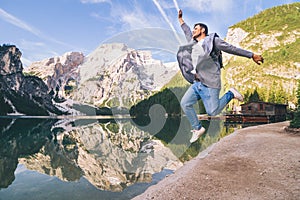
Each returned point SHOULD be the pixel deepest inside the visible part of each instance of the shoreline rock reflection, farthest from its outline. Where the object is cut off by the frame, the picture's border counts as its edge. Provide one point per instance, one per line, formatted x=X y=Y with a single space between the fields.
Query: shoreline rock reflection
x=107 y=154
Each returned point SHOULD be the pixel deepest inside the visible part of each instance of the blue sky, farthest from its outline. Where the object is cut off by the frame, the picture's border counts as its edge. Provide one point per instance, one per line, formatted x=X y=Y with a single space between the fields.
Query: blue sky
x=46 y=28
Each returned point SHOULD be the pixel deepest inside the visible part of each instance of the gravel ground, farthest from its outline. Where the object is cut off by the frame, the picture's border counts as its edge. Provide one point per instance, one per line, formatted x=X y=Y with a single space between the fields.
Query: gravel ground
x=260 y=162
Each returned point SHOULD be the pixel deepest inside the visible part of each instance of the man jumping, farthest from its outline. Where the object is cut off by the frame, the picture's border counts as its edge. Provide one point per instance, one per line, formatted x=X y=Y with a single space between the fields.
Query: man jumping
x=200 y=62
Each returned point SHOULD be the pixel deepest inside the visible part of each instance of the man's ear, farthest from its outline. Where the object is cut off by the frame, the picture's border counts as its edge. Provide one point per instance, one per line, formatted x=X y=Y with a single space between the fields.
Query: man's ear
x=202 y=30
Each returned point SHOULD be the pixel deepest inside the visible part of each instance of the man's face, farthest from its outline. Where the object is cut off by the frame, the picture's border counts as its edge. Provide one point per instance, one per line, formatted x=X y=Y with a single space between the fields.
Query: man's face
x=198 y=31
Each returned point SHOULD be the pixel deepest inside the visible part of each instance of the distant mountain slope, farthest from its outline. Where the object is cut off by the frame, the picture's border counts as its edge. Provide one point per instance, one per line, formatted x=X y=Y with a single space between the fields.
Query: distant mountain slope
x=275 y=33
x=114 y=75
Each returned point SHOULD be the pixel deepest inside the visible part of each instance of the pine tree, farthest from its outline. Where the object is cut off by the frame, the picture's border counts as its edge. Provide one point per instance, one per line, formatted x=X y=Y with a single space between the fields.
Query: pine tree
x=247 y=96
x=295 y=123
x=254 y=97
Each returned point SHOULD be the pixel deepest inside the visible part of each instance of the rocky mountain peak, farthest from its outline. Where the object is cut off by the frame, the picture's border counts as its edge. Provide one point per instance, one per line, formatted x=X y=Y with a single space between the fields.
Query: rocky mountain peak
x=58 y=72
x=21 y=94
x=115 y=75
x=11 y=63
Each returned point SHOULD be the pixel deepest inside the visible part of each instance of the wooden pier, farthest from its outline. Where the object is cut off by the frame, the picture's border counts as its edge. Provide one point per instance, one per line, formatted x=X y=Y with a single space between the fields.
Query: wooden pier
x=242 y=118
x=207 y=117
x=253 y=112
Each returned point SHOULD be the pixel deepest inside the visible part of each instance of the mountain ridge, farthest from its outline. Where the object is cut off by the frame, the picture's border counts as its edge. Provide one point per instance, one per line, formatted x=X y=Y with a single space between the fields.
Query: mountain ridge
x=113 y=75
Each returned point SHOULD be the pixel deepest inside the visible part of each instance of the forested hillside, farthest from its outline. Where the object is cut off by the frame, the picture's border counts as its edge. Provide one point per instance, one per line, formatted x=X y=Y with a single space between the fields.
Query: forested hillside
x=275 y=33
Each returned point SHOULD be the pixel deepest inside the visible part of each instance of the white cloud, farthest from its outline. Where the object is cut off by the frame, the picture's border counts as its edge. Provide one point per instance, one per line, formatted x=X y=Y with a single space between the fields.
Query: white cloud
x=258 y=8
x=224 y=6
x=125 y=16
x=17 y=22
x=29 y=45
x=33 y=51
x=176 y=5
x=207 y=6
x=134 y=17
x=26 y=27
x=167 y=4
x=200 y=6
x=162 y=12
x=134 y=20
x=95 y=1
x=36 y=50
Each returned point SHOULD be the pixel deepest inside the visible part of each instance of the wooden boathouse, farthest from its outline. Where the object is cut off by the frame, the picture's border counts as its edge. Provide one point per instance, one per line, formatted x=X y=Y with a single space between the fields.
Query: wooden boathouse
x=259 y=112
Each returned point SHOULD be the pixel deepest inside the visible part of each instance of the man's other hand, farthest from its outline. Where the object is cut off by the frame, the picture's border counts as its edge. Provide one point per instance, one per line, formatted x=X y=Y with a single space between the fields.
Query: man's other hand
x=258 y=59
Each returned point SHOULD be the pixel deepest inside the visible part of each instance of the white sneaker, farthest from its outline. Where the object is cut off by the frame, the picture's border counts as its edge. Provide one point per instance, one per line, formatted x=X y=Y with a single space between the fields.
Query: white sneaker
x=236 y=94
x=197 y=134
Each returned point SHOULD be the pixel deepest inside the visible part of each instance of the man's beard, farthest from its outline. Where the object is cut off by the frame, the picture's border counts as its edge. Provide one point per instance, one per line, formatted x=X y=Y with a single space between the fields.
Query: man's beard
x=195 y=37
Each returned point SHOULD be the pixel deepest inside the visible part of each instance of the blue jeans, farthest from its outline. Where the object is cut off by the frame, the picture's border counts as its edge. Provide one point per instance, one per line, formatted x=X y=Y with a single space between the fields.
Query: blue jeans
x=210 y=98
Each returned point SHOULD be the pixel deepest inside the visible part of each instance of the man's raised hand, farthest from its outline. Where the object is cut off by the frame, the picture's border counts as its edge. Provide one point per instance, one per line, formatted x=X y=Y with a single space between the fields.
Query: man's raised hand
x=180 y=14
x=180 y=17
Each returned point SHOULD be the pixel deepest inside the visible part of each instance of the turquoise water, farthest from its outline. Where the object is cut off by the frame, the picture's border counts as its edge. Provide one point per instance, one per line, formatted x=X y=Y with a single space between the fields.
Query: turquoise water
x=69 y=158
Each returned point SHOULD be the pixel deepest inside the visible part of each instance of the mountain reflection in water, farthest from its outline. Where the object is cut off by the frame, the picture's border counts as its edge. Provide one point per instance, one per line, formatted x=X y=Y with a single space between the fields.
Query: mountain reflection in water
x=110 y=158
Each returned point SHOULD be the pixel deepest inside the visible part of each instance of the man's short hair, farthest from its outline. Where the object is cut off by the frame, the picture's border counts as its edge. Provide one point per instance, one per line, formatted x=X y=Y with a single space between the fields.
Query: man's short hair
x=202 y=26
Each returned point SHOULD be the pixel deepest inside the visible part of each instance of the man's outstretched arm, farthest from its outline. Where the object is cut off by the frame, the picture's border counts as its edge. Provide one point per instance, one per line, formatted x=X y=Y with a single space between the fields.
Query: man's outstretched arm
x=186 y=29
x=228 y=48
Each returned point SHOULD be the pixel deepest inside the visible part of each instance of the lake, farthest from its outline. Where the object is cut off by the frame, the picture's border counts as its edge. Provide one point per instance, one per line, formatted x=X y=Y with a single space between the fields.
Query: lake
x=94 y=158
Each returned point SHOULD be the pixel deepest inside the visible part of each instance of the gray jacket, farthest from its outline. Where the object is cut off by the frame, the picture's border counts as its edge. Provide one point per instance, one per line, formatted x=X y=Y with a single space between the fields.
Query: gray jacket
x=208 y=66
